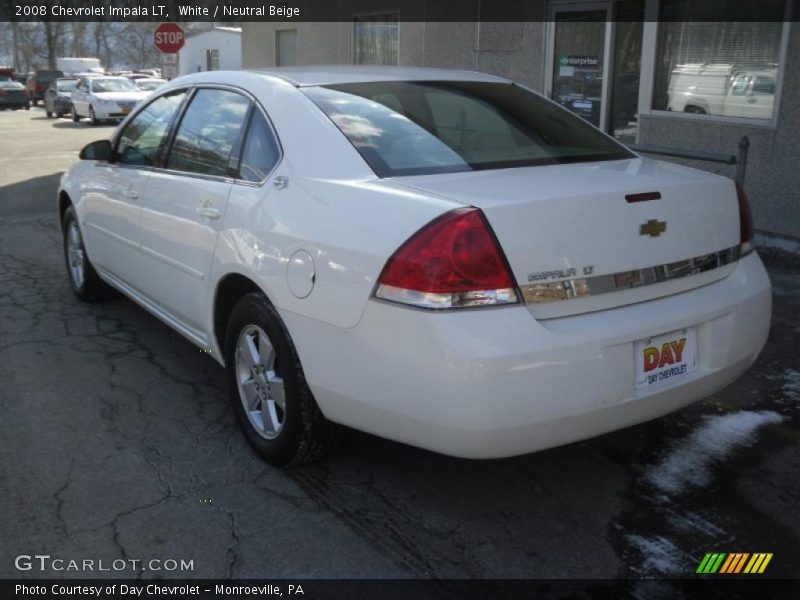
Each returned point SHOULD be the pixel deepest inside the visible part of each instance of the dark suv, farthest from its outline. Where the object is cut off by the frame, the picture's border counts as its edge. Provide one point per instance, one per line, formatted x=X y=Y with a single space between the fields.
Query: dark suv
x=38 y=83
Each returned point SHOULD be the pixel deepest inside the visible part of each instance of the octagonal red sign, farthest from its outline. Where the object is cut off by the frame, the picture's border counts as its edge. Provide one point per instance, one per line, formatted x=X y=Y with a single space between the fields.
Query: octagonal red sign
x=169 y=38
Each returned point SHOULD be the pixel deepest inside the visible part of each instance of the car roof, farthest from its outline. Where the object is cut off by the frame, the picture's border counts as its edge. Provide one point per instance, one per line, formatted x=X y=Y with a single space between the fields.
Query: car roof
x=336 y=74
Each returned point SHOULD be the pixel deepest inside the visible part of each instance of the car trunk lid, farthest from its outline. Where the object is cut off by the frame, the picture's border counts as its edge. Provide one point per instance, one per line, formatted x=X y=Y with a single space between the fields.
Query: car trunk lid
x=571 y=228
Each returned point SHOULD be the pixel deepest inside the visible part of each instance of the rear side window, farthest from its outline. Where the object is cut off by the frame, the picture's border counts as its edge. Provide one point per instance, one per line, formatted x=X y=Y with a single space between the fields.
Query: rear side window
x=141 y=141
x=261 y=152
x=211 y=128
x=422 y=127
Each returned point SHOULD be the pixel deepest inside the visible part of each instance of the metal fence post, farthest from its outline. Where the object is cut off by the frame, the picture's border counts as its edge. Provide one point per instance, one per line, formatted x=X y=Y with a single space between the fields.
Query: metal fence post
x=741 y=159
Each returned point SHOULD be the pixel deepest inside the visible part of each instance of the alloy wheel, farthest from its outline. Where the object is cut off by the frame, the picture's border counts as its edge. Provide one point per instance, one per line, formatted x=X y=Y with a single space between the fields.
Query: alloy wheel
x=261 y=390
x=75 y=255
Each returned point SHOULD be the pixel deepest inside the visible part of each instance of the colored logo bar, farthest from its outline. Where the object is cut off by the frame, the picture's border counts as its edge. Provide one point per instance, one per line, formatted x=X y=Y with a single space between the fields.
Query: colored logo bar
x=734 y=562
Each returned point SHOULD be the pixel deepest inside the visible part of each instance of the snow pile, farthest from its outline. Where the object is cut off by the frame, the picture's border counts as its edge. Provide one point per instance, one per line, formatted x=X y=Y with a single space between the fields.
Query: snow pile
x=689 y=462
x=791 y=385
x=661 y=556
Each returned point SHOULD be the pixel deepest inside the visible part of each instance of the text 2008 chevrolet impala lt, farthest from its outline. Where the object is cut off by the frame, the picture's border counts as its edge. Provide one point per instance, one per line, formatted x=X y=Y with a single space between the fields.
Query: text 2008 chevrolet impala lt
x=438 y=257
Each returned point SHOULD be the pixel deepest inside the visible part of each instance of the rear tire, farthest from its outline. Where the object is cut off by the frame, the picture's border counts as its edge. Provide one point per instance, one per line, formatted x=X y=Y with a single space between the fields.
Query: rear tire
x=92 y=116
x=268 y=390
x=75 y=116
x=83 y=279
x=48 y=114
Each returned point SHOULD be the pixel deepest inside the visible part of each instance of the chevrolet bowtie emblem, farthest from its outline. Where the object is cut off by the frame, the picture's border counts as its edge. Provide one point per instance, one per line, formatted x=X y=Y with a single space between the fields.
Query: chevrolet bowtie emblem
x=653 y=228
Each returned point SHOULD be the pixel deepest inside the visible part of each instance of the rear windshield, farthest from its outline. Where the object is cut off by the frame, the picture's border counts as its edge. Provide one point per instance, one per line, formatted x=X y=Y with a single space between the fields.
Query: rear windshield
x=112 y=85
x=417 y=128
x=47 y=76
x=66 y=86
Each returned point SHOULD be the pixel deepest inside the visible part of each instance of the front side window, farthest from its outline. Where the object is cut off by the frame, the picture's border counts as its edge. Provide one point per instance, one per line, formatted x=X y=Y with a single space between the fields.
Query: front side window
x=209 y=132
x=141 y=142
x=261 y=152
x=415 y=128
x=708 y=66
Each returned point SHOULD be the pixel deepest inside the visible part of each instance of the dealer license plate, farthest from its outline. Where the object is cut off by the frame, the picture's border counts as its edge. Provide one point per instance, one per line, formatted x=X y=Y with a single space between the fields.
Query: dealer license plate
x=665 y=359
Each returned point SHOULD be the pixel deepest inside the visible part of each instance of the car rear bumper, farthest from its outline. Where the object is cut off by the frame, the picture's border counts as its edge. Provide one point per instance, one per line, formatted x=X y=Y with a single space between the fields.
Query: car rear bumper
x=495 y=382
x=110 y=113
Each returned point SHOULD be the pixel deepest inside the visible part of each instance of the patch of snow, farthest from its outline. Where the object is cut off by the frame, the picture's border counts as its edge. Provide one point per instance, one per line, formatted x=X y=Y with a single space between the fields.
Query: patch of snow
x=791 y=385
x=688 y=522
x=661 y=557
x=688 y=463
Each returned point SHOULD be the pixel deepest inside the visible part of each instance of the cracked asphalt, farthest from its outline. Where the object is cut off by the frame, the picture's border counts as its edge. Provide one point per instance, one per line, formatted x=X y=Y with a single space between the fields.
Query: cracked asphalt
x=116 y=442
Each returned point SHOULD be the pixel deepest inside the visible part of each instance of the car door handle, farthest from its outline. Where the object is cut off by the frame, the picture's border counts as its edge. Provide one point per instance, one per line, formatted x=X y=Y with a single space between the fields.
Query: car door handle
x=132 y=194
x=209 y=211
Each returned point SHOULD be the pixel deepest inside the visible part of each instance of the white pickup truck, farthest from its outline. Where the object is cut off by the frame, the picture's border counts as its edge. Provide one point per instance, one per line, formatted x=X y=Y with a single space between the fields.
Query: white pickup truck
x=722 y=90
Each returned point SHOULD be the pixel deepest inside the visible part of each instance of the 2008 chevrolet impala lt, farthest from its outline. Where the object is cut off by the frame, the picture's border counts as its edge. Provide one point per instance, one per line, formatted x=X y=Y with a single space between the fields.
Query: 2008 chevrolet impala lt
x=443 y=258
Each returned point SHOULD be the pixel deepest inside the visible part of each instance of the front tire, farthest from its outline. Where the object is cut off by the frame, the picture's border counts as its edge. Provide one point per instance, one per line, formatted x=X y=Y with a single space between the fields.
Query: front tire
x=268 y=390
x=84 y=280
x=75 y=116
x=92 y=116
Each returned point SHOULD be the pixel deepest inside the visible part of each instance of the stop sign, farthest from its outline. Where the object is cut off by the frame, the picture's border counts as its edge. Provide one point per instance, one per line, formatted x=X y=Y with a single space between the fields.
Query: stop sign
x=169 y=38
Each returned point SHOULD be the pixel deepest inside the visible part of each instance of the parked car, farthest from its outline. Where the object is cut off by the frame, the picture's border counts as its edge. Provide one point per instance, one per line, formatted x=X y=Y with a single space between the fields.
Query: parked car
x=149 y=85
x=135 y=76
x=38 y=82
x=13 y=95
x=443 y=258
x=21 y=78
x=57 y=98
x=104 y=98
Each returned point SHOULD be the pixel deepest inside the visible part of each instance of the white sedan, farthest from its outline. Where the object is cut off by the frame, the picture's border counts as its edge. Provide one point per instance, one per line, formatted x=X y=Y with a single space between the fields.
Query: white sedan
x=105 y=98
x=442 y=258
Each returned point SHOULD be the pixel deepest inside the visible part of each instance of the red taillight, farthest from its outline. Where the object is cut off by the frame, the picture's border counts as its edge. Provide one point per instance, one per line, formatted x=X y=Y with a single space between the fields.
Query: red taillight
x=746 y=230
x=453 y=262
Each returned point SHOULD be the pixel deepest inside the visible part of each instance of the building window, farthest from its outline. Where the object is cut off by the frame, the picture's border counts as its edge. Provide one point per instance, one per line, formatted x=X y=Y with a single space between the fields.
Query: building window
x=375 y=39
x=727 y=68
x=286 y=47
x=212 y=60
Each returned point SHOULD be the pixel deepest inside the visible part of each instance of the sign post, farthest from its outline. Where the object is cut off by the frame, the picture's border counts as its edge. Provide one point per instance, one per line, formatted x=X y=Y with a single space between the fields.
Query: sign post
x=169 y=66
x=169 y=38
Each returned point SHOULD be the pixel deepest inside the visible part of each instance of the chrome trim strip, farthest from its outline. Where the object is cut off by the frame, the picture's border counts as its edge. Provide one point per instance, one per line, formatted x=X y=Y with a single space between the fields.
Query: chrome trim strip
x=570 y=289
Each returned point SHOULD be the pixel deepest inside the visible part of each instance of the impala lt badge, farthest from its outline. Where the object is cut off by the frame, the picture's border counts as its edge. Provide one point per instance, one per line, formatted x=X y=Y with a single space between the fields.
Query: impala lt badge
x=653 y=228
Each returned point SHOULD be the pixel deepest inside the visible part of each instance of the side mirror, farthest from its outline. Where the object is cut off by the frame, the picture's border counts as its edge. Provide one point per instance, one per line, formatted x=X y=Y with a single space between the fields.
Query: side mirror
x=99 y=150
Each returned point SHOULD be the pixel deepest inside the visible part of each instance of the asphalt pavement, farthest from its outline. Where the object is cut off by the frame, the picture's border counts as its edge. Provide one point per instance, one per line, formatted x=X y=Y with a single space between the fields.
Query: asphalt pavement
x=117 y=443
